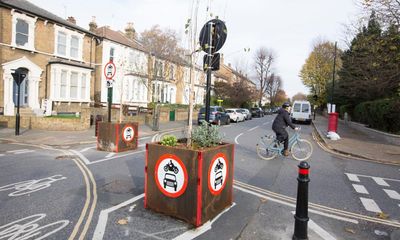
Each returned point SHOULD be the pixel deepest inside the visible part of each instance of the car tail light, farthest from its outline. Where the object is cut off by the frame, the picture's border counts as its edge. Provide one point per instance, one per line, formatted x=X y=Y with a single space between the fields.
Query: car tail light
x=214 y=112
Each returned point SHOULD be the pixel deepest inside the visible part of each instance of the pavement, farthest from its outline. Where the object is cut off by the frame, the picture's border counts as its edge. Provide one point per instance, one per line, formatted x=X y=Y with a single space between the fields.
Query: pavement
x=355 y=143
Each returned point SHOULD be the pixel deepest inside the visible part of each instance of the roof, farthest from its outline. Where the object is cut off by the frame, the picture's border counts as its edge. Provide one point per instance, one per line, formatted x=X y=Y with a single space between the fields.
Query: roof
x=30 y=8
x=118 y=37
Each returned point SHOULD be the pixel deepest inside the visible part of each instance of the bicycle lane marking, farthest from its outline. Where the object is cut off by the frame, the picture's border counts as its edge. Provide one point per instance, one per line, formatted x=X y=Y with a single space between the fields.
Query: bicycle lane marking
x=249 y=130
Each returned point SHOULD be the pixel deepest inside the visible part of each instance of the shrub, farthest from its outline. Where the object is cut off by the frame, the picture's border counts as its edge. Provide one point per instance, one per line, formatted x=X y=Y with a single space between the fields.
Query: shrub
x=169 y=140
x=206 y=136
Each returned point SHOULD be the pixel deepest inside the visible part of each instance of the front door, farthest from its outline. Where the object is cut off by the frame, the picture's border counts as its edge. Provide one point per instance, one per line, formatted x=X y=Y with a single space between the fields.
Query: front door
x=23 y=96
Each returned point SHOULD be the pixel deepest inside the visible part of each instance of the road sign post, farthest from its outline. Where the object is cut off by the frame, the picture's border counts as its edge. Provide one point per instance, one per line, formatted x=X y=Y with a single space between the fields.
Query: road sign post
x=19 y=76
x=109 y=73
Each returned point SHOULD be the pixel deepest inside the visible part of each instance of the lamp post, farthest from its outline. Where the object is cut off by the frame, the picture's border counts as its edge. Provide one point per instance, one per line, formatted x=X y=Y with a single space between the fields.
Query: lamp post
x=19 y=76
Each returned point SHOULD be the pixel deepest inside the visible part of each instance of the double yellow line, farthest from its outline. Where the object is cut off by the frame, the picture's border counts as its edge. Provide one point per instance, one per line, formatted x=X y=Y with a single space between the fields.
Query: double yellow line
x=316 y=207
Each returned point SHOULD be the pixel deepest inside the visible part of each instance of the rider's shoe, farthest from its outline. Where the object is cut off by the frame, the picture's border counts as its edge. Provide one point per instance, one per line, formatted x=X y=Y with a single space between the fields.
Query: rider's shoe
x=286 y=153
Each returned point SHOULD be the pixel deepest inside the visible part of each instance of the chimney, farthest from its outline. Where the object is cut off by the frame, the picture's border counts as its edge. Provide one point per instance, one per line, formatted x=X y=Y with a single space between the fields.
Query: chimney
x=71 y=20
x=93 y=24
x=222 y=59
x=130 y=31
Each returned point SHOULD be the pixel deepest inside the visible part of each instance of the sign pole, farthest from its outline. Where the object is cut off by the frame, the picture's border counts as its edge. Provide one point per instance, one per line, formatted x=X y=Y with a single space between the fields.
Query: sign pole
x=17 y=117
x=109 y=73
x=208 y=87
x=109 y=98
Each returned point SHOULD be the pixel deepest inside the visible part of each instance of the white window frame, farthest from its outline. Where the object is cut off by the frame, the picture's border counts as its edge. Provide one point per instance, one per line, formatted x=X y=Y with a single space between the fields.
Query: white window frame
x=69 y=34
x=30 y=45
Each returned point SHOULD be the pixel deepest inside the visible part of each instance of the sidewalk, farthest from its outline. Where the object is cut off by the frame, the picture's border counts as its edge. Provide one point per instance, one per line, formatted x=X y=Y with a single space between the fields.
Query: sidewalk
x=62 y=138
x=356 y=143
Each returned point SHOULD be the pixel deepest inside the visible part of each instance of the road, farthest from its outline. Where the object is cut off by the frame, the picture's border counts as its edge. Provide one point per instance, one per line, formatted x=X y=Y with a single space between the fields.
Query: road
x=78 y=192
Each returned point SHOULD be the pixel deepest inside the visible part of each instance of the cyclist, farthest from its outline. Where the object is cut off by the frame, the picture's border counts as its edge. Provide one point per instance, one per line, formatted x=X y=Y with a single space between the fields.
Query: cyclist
x=282 y=120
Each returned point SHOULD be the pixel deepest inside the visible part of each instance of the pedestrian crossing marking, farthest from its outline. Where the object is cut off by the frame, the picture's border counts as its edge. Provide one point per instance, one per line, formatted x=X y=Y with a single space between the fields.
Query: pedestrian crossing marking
x=380 y=181
x=352 y=177
x=370 y=205
x=360 y=189
x=392 y=194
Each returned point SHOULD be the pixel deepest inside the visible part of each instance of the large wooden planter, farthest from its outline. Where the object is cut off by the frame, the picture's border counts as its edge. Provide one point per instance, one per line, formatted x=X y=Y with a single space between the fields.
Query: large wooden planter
x=117 y=137
x=196 y=187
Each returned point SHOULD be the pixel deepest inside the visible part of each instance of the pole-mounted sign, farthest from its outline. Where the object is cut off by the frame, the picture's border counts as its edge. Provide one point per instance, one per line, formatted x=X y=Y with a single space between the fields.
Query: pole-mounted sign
x=109 y=73
x=19 y=76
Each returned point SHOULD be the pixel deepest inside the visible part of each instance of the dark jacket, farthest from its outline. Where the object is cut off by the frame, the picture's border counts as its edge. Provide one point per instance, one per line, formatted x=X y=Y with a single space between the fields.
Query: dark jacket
x=282 y=121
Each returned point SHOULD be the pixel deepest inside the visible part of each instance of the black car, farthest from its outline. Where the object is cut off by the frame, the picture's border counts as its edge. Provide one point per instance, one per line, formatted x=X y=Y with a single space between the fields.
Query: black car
x=257 y=112
x=217 y=115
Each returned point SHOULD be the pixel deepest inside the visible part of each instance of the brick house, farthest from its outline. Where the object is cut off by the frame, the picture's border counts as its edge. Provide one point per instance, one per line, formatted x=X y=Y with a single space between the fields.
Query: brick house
x=58 y=54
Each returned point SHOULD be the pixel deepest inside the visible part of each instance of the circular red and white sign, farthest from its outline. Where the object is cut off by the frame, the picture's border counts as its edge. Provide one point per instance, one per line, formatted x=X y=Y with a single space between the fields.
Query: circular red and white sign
x=171 y=175
x=217 y=173
x=128 y=133
x=109 y=70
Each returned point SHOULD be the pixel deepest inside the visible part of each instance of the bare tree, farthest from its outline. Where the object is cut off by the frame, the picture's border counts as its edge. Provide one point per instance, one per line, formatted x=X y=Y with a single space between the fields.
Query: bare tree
x=274 y=85
x=263 y=61
x=299 y=96
x=388 y=11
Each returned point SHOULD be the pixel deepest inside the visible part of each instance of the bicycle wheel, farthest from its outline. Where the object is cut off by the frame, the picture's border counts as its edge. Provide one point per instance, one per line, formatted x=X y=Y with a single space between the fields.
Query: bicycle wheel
x=264 y=150
x=302 y=150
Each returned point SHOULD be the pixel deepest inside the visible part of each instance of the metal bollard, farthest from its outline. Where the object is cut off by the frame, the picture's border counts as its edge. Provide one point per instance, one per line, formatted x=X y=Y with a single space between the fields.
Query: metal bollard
x=301 y=216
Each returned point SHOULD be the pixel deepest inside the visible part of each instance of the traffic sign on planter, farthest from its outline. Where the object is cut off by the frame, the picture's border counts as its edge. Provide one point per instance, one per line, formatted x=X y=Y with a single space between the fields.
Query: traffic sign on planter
x=217 y=173
x=128 y=133
x=218 y=32
x=171 y=175
x=109 y=70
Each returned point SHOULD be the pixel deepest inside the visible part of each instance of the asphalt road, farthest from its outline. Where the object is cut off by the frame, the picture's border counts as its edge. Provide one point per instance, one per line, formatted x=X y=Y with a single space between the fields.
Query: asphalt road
x=82 y=193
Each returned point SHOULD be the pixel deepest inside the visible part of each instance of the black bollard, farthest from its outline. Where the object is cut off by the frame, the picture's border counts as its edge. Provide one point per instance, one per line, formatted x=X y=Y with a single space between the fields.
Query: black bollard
x=301 y=216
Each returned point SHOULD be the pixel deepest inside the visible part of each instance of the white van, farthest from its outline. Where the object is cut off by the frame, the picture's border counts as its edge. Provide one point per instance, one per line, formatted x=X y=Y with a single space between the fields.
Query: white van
x=301 y=111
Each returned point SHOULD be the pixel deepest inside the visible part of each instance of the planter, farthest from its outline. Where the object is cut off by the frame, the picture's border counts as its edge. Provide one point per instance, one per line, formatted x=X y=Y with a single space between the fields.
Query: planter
x=192 y=185
x=117 y=137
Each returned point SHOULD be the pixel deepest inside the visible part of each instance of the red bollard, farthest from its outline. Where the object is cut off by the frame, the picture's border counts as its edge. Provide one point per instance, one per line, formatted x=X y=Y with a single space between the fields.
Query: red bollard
x=333 y=122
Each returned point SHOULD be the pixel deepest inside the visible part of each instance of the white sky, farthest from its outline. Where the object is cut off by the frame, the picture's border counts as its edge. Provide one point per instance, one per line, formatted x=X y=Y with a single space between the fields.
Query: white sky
x=288 y=27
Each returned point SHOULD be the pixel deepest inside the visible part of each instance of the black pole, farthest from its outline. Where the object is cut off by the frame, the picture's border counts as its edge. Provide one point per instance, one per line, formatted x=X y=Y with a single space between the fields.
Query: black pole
x=17 y=118
x=333 y=76
x=208 y=87
x=109 y=95
x=301 y=216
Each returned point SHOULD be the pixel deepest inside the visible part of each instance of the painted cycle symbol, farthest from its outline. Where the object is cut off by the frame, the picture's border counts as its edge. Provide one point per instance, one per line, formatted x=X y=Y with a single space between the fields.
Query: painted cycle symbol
x=30 y=186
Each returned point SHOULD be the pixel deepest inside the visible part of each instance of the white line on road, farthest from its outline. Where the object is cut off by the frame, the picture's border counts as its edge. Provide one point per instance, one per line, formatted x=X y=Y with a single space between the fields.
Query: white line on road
x=392 y=194
x=111 y=154
x=380 y=181
x=26 y=151
x=352 y=177
x=360 y=189
x=318 y=230
x=85 y=149
x=102 y=223
x=251 y=129
x=19 y=150
x=142 y=138
x=118 y=156
x=142 y=145
x=80 y=155
x=1 y=155
x=265 y=123
x=370 y=205
x=367 y=176
x=236 y=138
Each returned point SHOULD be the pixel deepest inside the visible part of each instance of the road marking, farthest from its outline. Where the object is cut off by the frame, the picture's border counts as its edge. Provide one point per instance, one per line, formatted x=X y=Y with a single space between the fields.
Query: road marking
x=392 y=194
x=380 y=181
x=19 y=150
x=367 y=176
x=119 y=156
x=103 y=217
x=370 y=205
x=30 y=186
x=142 y=138
x=86 y=149
x=81 y=156
x=353 y=177
x=318 y=230
x=360 y=189
x=236 y=138
x=251 y=129
x=266 y=123
x=142 y=145
x=110 y=154
x=1 y=155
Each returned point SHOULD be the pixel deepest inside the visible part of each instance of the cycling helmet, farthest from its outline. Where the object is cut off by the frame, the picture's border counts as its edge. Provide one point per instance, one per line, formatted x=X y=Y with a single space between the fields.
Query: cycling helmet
x=286 y=105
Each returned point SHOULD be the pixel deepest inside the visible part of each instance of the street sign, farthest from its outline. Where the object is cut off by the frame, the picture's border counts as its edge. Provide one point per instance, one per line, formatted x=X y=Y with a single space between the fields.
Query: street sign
x=109 y=70
x=110 y=83
x=214 y=62
x=218 y=32
x=217 y=173
x=128 y=134
x=19 y=75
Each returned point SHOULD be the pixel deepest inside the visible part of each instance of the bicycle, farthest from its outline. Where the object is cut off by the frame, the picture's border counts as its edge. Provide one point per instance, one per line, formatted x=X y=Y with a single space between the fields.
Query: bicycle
x=268 y=147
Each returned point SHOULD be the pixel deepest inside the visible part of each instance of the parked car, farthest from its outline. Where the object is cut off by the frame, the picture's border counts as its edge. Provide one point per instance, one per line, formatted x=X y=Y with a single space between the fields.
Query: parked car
x=246 y=113
x=268 y=111
x=257 y=112
x=217 y=115
x=235 y=115
x=301 y=112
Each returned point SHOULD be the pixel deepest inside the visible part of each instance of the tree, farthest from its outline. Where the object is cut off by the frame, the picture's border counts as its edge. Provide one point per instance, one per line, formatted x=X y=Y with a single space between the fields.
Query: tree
x=263 y=61
x=274 y=85
x=387 y=11
x=299 y=96
x=236 y=94
x=316 y=73
x=281 y=97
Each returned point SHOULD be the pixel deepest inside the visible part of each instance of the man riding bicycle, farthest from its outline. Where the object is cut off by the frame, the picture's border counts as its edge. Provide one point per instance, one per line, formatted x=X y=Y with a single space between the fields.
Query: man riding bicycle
x=282 y=120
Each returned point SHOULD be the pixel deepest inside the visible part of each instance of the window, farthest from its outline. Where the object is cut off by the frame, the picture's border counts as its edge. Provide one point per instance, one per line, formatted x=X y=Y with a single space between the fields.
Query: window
x=63 y=84
x=112 y=51
x=305 y=108
x=74 y=85
x=83 y=86
x=296 y=107
x=74 y=52
x=62 y=43
x=22 y=32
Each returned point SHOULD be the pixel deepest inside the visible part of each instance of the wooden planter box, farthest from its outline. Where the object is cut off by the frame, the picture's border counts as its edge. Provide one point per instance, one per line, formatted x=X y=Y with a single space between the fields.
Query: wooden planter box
x=191 y=185
x=117 y=137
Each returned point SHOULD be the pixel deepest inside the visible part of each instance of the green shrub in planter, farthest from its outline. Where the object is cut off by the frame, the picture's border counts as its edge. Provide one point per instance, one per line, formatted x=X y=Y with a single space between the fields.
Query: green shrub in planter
x=169 y=140
x=206 y=136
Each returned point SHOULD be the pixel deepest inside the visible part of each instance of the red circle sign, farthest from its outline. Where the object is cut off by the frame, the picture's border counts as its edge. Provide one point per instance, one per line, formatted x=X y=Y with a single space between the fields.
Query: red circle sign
x=109 y=70
x=217 y=174
x=128 y=133
x=171 y=175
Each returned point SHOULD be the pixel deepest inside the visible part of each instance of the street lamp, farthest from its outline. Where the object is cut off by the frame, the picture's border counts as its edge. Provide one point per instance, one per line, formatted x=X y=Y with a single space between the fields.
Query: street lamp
x=19 y=76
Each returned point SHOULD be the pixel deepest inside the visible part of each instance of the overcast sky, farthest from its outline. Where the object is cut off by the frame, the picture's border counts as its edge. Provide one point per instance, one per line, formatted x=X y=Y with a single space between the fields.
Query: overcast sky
x=288 y=27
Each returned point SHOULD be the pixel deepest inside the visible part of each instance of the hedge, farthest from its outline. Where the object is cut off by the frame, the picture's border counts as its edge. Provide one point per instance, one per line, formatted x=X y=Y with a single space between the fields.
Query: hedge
x=346 y=108
x=381 y=114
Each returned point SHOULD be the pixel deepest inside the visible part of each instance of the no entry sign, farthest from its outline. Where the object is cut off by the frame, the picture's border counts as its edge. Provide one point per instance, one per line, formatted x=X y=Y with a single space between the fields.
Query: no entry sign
x=171 y=175
x=128 y=133
x=109 y=70
x=217 y=173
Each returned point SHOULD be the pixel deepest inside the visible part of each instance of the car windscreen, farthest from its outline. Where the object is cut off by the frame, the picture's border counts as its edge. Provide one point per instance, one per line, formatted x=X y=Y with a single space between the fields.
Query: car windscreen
x=229 y=111
x=305 y=108
x=296 y=107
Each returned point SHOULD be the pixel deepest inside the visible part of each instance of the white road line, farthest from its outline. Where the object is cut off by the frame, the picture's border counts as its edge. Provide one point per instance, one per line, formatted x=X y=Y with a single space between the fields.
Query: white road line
x=251 y=129
x=102 y=223
x=80 y=155
x=26 y=151
x=142 y=138
x=360 y=189
x=370 y=205
x=191 y=234
x=380 y=181
x=118 y=156
x=352 y=177
x=265 y=123
x=236 y=138
x=318 y=230
x=19 y=150
x=111 y=154
x=142 y=145
x=392 y=194
x=387 y=179
x=85 y=149
x=1 y=155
